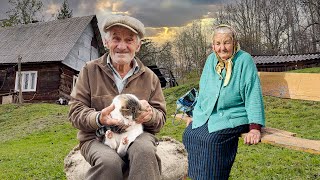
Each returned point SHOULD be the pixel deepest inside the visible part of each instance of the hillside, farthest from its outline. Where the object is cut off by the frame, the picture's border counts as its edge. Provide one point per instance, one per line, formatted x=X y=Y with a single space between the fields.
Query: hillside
x=35 y=138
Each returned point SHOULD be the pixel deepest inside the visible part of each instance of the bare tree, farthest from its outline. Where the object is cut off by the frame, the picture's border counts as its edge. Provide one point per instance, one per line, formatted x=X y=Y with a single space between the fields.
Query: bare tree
x=149 y=51
x=192 y=46
x=274 y=26
x=165 y=58
x=245 y=17
x=312 y=28
x=23 y=12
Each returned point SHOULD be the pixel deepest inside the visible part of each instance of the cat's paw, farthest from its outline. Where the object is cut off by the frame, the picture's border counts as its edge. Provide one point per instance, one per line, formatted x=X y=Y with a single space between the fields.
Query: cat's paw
x=109 y=134
x=125 y=140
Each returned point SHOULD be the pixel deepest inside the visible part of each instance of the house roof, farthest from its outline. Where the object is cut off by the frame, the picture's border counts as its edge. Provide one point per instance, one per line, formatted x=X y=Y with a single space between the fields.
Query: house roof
x=41 y=42
x=285 y=58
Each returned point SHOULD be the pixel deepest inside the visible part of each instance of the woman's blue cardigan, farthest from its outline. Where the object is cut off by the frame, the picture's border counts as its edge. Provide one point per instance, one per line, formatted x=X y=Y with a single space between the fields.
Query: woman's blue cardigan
x=238 y=103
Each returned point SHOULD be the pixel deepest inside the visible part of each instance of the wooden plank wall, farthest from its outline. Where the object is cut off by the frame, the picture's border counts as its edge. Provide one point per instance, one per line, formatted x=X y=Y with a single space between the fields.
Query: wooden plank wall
x=7 y=78
x=54 y=81
x=47 y=82
x=66 y=82
x=305 y=86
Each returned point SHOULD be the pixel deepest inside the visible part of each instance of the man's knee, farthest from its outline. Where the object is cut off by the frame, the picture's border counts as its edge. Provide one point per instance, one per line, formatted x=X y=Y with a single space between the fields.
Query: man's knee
x=109 y=162
x=142 y=149
x=98 y=154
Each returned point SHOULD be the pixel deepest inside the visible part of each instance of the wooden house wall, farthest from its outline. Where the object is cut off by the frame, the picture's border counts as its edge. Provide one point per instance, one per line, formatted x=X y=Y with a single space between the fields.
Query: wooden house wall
x=47 y=82
x=66 y=81
x=7 y=79
x=54 y=80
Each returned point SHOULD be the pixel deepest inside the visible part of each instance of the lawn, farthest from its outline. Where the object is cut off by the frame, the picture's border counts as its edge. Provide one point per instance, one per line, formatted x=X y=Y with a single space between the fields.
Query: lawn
x=307 y=70
x=35 y=138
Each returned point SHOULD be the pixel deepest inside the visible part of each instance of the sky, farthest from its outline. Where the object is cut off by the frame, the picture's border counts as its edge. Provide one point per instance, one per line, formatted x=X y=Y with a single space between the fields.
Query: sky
x=162 y=18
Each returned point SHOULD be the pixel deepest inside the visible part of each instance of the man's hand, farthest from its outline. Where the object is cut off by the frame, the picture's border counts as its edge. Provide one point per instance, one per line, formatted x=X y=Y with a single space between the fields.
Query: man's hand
x=253 y=137
x=105 y=117
x=146 y=113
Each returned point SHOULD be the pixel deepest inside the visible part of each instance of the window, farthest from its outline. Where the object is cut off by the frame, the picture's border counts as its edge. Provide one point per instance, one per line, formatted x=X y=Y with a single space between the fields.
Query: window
x=75 y=77
x=28 y=81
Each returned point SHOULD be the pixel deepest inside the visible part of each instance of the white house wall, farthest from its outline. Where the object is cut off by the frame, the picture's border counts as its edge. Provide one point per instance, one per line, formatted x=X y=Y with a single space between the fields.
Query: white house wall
x=82 y=51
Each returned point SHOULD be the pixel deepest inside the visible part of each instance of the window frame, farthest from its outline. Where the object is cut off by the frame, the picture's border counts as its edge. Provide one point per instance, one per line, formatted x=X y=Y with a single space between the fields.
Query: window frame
x=74 y=80
x=28 y=74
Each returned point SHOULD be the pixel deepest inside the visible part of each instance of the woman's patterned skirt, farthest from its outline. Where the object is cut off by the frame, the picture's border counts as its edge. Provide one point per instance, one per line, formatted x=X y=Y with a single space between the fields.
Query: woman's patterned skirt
x=211 y=155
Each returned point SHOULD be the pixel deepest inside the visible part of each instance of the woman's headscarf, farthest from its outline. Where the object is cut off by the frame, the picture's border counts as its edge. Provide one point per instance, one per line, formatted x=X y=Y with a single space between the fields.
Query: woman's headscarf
x=226 y=63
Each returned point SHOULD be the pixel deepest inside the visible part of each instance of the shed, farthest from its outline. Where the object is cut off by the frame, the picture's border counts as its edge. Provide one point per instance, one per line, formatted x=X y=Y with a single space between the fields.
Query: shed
x=165 y=76
x=281 y=63
x=52 y=54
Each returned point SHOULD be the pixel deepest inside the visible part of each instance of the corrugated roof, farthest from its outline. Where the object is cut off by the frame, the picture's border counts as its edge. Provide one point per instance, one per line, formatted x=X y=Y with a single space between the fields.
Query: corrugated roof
x=284 y=58
x=41 y=42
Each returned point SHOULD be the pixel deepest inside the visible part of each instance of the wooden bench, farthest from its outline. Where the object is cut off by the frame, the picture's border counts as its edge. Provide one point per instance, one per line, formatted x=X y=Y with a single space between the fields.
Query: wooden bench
x=280 y=138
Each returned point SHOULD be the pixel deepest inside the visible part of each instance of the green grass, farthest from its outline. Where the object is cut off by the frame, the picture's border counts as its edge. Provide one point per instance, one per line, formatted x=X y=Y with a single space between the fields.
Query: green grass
x=307 y=70
x=298 y=116
x=265 y=162
x=35 y=138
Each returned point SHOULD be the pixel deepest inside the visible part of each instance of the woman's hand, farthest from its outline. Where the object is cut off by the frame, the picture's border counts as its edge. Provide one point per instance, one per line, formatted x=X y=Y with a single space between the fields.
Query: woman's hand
x=189 y=120
x=146 y=113
x=253 y=137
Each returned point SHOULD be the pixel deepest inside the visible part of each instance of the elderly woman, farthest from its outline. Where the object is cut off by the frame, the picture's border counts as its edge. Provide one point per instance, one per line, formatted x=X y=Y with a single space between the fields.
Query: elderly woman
x=229 y=103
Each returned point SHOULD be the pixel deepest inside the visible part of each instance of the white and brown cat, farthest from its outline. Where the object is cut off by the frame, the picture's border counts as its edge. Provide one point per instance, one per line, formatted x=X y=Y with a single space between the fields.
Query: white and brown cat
x=127 y=108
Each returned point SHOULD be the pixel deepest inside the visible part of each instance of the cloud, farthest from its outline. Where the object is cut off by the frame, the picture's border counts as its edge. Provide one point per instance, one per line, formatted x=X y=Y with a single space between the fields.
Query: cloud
x=109 y=5
x=161 y=34
x=85 y=8
x=155 y=13
x=52 y=8
x=161 y=17
x=206 y=2
x=160 y=13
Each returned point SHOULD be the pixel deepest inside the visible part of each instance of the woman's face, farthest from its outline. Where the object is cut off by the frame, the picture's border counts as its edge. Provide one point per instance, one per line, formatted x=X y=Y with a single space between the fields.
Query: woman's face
x=223 y=45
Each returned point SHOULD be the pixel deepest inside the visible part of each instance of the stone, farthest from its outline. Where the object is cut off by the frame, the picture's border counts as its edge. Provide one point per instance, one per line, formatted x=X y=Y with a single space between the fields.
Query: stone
x=172 y=153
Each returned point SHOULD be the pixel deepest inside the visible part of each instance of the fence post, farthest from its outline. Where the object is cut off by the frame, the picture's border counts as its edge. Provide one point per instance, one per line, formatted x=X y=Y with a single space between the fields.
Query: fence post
x=19 y=80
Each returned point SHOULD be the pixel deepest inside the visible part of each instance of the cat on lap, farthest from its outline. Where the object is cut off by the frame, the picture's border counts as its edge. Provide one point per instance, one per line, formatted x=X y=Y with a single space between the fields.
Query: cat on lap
x=127 y=109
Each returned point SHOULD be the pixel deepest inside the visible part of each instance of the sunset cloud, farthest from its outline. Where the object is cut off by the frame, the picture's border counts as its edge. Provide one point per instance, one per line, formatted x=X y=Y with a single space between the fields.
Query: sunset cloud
x=52 y=8
x=162 y=34
x=162 y=18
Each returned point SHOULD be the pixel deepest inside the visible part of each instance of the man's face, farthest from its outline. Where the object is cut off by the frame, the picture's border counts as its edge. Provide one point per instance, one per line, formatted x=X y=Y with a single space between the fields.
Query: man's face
x=122 y=44
x=223 y=45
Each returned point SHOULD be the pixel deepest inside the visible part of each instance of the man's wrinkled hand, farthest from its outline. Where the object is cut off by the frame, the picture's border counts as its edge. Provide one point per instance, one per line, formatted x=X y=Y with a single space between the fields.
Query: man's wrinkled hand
x=146 y=112
x=105 y=117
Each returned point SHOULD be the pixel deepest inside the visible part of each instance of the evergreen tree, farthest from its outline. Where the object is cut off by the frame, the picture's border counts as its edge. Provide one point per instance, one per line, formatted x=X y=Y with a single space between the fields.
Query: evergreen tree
x=64 y=12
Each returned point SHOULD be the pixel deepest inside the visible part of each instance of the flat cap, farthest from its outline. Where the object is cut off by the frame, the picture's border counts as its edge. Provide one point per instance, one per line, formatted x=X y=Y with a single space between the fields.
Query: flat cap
x=131 y=23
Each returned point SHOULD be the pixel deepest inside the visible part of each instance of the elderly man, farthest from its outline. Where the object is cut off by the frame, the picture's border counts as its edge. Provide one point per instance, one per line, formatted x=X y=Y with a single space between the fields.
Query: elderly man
x=98 y=83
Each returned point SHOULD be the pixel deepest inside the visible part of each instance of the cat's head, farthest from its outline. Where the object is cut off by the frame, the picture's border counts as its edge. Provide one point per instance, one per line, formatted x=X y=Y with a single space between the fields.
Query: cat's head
x=127 y=106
